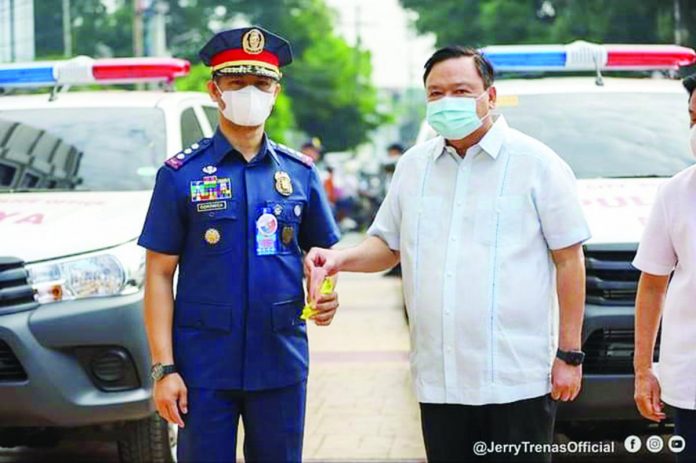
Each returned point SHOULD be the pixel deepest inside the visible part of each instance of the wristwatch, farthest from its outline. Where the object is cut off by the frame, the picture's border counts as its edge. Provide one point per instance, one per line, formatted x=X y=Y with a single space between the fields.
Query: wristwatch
x=573 y=357
x=159 y=371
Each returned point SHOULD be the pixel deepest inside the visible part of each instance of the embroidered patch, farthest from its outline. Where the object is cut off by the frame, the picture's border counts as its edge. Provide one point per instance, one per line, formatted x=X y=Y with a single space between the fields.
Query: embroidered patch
x=207 y=207
x=211 y=189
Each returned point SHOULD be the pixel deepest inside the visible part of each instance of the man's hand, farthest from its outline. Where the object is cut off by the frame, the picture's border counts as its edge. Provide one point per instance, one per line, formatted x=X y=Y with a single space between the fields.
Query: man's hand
x=566 y=381
x=647 y=396
x=170 y=396
x=326 y=259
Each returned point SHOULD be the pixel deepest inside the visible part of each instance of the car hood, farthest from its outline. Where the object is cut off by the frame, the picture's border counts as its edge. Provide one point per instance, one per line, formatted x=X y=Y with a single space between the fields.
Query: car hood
x=40 y=226
x=617 y=209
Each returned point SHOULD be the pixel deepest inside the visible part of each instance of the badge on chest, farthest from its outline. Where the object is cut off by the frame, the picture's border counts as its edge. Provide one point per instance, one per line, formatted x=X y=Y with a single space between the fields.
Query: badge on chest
x=266 y=233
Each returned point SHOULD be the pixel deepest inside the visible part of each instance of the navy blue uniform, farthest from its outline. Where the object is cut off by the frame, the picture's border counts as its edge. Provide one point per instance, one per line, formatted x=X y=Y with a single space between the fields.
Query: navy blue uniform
x=239 y=230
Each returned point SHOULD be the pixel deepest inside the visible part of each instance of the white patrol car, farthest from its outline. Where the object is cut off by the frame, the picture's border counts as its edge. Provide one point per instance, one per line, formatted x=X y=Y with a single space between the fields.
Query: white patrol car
x=76 y=173
x=623 y=137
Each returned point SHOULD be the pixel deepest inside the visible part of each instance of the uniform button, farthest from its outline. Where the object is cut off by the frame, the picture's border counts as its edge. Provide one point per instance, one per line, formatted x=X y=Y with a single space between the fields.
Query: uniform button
x=449 y=274
x=448 y=313
x=459 y=204
x=454 y=239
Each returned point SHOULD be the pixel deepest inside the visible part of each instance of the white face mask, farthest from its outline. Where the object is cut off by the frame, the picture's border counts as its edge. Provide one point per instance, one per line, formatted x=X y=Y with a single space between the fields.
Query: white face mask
x=249 y=106
x=693 y=140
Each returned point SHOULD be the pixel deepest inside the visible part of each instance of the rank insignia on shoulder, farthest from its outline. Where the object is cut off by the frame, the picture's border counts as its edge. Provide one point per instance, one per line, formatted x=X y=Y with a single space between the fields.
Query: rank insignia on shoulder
x=303 y=158
x=182 y=157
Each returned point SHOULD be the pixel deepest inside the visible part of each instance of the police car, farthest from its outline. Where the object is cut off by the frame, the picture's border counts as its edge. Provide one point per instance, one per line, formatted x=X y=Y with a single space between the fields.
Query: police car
x=76 y=173
x=623 y=137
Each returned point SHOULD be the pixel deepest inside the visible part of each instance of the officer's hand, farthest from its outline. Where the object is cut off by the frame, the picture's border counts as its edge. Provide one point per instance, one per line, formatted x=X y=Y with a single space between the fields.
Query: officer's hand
x=566 y=381
x=170 y=396
x=647 y=396
x=326 y=306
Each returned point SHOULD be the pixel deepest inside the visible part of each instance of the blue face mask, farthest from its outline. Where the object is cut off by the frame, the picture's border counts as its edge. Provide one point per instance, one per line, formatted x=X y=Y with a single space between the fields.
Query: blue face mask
x=454 y=117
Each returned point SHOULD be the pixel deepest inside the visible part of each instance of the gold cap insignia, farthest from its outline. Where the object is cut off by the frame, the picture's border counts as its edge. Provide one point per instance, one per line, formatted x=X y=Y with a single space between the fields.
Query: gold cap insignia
x=283 y=183
x=212 y=236
x=253 y=42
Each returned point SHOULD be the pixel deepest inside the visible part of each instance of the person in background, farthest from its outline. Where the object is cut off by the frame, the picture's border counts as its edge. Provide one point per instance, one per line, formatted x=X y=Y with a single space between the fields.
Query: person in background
x=666 y=258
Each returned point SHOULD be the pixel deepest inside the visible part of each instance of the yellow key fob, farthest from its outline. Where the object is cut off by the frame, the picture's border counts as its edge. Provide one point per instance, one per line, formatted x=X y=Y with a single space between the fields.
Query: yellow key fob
x=327 y=287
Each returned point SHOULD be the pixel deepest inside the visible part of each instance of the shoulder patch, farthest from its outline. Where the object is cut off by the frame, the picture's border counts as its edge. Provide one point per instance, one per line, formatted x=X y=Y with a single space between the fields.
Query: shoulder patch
x=179 y=159
x=293 y=154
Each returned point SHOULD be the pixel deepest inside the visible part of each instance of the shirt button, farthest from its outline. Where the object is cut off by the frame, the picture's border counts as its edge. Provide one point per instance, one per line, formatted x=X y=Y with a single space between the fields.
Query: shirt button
x=454 y=239
x=449 y=275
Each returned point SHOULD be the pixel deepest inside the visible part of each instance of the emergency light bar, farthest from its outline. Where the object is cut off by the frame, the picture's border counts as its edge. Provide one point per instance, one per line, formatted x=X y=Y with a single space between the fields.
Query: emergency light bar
x=84 y=71
x=585 y=56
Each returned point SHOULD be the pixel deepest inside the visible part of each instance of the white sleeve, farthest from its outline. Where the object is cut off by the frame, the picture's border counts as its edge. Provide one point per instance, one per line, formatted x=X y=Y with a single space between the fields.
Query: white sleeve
x=387 y=223
x=560 y=212
x=656 y=254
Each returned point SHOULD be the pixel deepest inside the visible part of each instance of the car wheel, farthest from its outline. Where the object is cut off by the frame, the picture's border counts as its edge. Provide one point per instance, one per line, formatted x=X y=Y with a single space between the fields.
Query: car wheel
x=150 y=440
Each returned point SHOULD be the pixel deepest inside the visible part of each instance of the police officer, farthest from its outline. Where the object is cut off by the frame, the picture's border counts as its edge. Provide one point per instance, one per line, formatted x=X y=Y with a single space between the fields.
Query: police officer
x=234 y=213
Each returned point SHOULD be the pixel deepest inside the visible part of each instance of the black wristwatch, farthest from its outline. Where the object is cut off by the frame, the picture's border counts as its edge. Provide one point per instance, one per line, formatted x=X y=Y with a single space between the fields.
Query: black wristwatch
x=159 y=371
x=573 y=357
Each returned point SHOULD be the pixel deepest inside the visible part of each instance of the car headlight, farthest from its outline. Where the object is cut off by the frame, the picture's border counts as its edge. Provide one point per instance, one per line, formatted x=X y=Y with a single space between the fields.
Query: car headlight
x=112 y=272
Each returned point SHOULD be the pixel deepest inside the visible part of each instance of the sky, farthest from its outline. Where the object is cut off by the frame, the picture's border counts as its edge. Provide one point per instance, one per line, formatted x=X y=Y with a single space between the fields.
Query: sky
x=398 y=54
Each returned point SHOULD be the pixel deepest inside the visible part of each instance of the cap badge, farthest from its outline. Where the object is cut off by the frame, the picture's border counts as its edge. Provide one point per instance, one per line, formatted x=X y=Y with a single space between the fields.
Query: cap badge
x=253 y=42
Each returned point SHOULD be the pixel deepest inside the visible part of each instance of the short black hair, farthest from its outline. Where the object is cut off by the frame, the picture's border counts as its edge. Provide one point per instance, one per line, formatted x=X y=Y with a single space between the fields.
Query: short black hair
x=689 y=83
x=396 y=147
x=483 y=66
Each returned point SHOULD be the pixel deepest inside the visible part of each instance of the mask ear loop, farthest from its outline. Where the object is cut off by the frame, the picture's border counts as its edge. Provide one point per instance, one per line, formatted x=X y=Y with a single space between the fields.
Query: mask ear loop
x=488 y=114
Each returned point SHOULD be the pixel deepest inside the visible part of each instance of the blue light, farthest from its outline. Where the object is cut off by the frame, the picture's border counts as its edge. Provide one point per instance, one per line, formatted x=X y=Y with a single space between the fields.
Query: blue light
x=16 y=76
x=519 y=60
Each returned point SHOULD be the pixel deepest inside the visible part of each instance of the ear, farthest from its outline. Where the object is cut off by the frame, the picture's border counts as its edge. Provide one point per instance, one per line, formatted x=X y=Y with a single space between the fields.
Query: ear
x=492 y=97
x=277 y=90
x=215 y=94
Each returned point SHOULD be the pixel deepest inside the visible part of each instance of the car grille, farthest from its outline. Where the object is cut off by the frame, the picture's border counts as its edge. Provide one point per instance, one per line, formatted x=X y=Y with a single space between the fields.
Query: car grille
x=611 y=279
x=10 y=368
x=16 y=295
x=610 y=351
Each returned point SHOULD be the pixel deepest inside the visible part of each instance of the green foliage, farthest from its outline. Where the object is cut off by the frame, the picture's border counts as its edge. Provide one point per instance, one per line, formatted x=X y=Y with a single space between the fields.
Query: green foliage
x=485 y=22
x=328 y=91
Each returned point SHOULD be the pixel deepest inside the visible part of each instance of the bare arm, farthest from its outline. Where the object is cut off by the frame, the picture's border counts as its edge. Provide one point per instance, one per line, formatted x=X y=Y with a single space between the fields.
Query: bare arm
x=372 y=255
x=170 y=393
x=570 y=286
x=649 y=304
x=159 y=305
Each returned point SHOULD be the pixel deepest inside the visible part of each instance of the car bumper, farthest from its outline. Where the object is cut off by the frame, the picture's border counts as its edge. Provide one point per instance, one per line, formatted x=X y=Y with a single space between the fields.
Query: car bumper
x=59 y=389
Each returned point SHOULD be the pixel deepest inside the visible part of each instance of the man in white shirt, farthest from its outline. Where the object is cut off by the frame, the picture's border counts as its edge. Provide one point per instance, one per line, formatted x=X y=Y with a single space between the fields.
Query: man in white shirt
x=488 y=228
x=668 y=248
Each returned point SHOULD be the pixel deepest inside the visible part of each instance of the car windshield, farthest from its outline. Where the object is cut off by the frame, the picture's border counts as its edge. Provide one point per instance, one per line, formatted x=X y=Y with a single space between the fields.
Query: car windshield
x=608 y=134
x=102 y=149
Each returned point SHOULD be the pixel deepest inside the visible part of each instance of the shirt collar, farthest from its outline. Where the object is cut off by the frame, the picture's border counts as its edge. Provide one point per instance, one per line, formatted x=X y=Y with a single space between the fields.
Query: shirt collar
x=222 y=147
x=491 y=143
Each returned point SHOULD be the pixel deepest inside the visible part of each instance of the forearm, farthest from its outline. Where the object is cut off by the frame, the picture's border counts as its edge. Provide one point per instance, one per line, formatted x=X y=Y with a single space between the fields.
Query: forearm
x=570 y=276
x=159 y=313
x=372 y=255
x=649 y=303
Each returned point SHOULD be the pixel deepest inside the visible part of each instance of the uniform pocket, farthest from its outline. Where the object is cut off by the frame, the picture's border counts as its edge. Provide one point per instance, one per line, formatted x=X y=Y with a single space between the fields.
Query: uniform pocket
x=203 y=316
x=213 y=231
x=286 y=314
x=289 y=214
x=499 y=220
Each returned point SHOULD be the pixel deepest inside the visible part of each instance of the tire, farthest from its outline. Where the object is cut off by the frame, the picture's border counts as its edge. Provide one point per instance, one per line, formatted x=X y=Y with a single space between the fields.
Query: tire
x=150 y=440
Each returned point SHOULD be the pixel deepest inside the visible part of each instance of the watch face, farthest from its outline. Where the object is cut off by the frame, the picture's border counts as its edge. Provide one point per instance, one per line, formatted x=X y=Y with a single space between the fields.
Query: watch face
x=157 y=371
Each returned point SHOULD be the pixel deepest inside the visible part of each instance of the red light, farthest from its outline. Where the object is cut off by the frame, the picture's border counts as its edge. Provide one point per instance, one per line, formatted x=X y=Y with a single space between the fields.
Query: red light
x=649 y=57
x=140 y=69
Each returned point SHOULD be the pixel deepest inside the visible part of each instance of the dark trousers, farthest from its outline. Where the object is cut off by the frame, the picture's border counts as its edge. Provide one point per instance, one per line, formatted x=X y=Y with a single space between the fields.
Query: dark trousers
x=273 y=425
x=685 y=426
x=451 y=431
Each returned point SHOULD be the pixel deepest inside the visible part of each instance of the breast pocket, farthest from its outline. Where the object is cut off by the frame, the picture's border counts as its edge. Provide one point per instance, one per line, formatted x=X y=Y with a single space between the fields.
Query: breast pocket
x=499 y=220
x=289 y=214
x=213 y=232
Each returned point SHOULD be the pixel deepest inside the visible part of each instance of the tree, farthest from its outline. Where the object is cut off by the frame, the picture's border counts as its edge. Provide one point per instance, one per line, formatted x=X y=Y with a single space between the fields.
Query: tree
x=486 y=22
